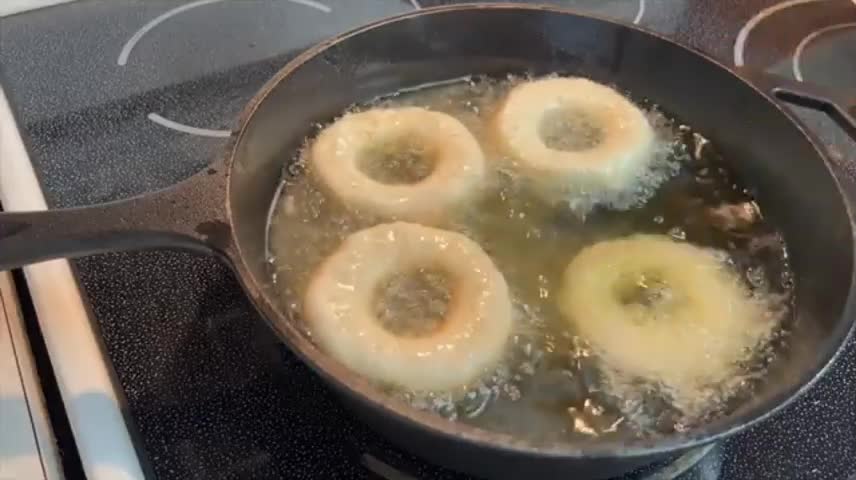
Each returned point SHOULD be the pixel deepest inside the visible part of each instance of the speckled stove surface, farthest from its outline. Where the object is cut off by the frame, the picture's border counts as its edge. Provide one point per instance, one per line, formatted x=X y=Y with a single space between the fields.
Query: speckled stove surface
x=118 y=98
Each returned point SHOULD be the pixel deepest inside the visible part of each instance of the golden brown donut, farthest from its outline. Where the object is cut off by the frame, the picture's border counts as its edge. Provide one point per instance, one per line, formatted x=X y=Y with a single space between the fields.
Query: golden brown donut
x=458 y=162
x=471 y=338
x=610 y=164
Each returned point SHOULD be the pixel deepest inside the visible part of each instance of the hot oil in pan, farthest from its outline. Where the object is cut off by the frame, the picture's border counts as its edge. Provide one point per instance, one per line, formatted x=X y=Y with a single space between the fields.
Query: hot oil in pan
x=551 y=386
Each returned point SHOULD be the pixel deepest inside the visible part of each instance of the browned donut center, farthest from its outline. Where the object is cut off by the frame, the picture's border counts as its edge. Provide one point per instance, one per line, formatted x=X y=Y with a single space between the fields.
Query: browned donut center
x=569 y=129
x=398 y=160
x=413 y=303
x=647 y=289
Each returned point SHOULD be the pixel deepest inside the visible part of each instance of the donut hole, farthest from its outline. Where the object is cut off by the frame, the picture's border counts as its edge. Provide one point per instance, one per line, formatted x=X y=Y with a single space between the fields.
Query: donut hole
x=403 y=159
x=570 y=129
x=413 y=303
x=646 y=289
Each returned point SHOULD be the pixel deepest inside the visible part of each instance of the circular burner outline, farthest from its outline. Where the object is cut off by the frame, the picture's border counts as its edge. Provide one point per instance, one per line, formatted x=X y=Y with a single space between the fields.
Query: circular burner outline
x=158 y=119
x=151 y=24
x=797 y=56
x=743 y=34
x=181 y=127
x=641 y=12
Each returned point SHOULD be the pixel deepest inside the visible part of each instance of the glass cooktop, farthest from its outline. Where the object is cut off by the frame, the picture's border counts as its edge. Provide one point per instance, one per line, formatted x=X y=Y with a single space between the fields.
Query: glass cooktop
x=116 y=98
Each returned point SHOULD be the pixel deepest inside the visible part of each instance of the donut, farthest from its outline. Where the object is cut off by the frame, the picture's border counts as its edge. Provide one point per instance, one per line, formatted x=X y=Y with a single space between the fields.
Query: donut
x=469 y=340
x=454 y=158
x=617 y=140
x=662 y=310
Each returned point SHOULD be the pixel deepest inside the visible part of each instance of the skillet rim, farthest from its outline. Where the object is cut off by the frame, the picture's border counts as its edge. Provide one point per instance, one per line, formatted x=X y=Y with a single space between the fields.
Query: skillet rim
x=363 y=391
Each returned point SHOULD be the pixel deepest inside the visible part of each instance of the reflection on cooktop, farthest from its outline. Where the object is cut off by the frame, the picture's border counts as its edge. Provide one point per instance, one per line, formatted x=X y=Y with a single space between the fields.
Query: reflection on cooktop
x=803 y=39
x=827 y=56
x=630 y=11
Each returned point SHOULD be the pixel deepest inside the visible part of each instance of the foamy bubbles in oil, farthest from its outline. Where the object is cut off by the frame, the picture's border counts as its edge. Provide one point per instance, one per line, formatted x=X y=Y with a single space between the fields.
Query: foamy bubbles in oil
x=551 y=386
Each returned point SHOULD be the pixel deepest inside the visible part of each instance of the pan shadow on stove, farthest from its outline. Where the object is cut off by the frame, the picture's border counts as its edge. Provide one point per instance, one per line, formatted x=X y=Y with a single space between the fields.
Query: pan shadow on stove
x=209 y=388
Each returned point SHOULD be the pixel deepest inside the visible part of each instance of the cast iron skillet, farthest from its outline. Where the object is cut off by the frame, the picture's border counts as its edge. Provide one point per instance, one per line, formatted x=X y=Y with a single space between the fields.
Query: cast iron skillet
x=223 y=209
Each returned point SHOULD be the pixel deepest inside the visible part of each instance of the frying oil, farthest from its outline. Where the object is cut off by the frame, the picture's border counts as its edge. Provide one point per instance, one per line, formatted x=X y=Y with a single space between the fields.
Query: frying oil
x=550 y=386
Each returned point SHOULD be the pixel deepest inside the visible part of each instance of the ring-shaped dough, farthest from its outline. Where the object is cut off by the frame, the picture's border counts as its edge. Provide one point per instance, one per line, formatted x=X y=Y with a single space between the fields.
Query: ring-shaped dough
x=700 y=323
x=458 y=162
x=614 y=163
x=471 y=338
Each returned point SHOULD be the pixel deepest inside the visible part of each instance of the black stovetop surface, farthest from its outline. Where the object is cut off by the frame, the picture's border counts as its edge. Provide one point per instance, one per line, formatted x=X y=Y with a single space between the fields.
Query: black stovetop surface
x=210 y=393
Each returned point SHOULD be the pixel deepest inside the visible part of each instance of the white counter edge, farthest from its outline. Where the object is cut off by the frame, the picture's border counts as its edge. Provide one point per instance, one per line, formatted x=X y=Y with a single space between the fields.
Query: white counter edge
x=27 y=443
x=103 y=441
x=14 y=7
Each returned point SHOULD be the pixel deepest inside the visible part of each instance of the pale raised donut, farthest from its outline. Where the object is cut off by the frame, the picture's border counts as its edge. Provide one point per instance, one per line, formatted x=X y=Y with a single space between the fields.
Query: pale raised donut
x=458 y=162
x=613 y=164
x=699 y=326
x=468 y=343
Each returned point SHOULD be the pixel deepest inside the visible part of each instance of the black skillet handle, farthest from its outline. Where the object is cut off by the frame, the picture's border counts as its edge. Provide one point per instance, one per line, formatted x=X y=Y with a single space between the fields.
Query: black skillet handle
x=190 y=215
x=837 y=106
